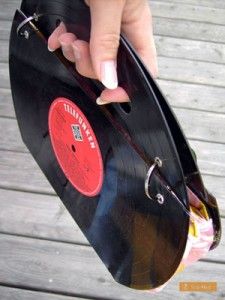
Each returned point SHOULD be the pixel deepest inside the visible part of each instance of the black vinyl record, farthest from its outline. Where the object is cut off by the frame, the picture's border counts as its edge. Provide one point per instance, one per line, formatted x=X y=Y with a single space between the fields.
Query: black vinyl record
x=96 y=158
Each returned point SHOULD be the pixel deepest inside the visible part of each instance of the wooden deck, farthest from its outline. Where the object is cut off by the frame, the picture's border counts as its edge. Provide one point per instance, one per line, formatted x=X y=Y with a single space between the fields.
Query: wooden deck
x=43 y=255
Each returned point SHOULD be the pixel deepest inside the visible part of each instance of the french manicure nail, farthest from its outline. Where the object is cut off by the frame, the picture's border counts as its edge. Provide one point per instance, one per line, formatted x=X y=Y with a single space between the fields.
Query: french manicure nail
x=51 y=50
x=100 y=101
x=109 y=74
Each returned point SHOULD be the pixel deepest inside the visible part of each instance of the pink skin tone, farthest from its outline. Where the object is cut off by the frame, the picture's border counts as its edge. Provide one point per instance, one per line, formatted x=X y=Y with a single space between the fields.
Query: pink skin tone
x=97 y=59
x=78 y=52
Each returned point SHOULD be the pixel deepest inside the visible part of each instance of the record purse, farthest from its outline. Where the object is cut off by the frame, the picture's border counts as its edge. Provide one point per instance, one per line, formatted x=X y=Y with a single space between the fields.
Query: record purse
x=124 y=171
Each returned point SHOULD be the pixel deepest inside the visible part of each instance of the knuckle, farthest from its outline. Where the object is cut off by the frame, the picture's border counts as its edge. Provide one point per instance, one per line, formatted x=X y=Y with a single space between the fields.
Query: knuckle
x=110 y=42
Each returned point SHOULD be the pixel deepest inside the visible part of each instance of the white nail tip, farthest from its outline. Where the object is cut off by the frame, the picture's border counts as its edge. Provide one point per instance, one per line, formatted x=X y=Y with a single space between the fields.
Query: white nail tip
x=109 y=74
x=51 y=50
x=99 y=101
x=110 y=85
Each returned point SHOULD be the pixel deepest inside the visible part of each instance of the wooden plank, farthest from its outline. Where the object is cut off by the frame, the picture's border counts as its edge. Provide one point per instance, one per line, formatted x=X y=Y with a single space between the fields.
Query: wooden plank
x=5 y=27
x=77 y=270
x=204 y=3
x=178 y=94
x=191 y=71
x=216 y=186
x=188 y=12
x=194 y=96
x=190 y=49
x=16 y=170
x=45 y=217
x=11 y=139
x=184 y=10
x=210 y=157
x=4 y=75
x=165 y=27
x=171 y=47
x=39 y=216
x=6 y=104
x=4 y=50
x=197 y=11
x=203 y=125
x=9 y=293
x=175 y=69
x=189 y=30
x=8 y=8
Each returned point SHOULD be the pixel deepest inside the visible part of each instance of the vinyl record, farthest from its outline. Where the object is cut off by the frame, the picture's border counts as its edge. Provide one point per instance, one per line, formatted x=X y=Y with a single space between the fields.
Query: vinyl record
x=96 y=158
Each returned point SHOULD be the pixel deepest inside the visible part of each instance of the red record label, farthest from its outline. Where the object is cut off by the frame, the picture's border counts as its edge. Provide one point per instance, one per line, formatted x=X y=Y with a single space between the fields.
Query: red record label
x=75 y=146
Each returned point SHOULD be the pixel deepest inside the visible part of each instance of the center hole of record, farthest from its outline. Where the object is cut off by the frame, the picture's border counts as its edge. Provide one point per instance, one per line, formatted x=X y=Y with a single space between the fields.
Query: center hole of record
x=73 y=148
x=125 y=107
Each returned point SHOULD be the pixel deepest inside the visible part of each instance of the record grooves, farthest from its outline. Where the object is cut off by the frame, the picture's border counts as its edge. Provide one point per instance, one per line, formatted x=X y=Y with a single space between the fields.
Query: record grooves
x=97 y=158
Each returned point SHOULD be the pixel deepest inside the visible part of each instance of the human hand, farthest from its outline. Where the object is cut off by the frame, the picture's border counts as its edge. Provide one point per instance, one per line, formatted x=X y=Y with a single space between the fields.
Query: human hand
x=97 y=59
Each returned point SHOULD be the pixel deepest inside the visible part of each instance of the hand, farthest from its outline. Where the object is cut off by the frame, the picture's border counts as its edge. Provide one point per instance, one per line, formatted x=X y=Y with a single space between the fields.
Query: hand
x=97 y=59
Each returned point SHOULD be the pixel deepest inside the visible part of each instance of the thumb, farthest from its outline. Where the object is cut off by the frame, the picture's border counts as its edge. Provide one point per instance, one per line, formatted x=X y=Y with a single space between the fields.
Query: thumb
x=105 y=36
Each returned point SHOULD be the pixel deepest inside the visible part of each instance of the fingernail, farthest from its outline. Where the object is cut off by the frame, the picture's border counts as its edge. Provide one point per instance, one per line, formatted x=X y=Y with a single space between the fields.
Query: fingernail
x=100 y=101
x=76 y=52
x=109 y=74
x=51 y=50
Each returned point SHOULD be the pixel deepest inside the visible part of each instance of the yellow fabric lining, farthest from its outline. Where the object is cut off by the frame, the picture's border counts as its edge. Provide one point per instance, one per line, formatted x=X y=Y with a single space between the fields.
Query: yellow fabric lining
x=202 y=212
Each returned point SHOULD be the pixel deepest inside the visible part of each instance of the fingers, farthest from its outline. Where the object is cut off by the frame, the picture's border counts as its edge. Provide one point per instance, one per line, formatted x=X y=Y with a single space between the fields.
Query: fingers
x=105 y=36
x=82 y=57
x=116 y=95
x=53 y=42
x=66 y=40
x=97 y=60
x=137 y=27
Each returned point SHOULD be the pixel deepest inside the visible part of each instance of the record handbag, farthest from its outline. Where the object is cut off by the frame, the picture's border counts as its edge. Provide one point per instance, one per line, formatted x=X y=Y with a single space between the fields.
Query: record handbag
x=124 y=171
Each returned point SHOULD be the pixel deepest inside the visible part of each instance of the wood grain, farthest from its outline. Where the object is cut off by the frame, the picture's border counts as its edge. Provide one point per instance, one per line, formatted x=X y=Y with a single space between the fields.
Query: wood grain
x=42 y=251
x=174 y=69
x=36 y=215
x=77 y=270
x=190 y=49
x=9 y=293
x=204 y=126
x=194 y=96
x=45 y=217
x=183 y=95
x=189 y=30
x=188 y=12
x=169 y=47
x=6 y=103
x=203 y=3
x=191 y=71
x=5 y=27
x=8 y=8
x=20 y=171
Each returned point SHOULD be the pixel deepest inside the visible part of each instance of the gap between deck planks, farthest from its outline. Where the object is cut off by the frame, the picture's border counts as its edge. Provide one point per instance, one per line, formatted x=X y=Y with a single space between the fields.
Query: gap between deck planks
x=45 y=217
x=189 y=12
x=204 y=127
x=169 y=47
x=179 y=95
x=173 y=69
x=76 y=270
x=165 y=27
x=12 y=293
x=214 y=38
x=203 y=3
x=166 y=9
x=210 y=155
